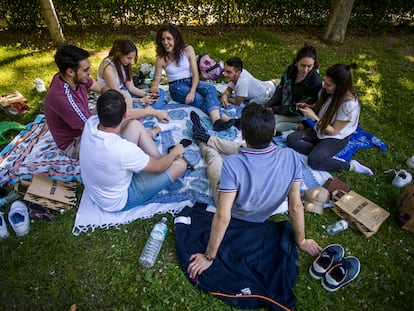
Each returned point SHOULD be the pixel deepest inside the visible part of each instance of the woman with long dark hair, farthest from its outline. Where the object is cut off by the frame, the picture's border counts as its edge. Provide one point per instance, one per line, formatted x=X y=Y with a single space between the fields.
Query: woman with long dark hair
x=115 y=71
x=299 y=86
x=336 y=116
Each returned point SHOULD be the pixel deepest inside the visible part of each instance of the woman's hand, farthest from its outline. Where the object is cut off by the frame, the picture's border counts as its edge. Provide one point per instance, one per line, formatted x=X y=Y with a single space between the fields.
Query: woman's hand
x=198 y=264
x=301 y=105
x=190 y=97
x=147 y=99
x=154 y=89
x=309 y=113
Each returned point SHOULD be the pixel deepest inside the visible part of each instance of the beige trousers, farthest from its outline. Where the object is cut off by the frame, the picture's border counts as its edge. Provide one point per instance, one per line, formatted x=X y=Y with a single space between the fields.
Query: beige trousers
x=212 y=153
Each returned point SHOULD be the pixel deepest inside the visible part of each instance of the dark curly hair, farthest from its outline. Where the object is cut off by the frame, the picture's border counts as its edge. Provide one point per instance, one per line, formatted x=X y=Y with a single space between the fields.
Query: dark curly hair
x=179 y=44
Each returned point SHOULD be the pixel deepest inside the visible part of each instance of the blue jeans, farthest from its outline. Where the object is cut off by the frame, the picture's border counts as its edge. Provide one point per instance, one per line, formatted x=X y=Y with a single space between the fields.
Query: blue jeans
x=156 y=105
x=144 y=186
x=206 y=97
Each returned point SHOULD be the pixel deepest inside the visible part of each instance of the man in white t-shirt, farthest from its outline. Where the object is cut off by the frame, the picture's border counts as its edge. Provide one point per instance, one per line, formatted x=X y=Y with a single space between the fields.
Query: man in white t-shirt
x=120 y=164
x=245 y=86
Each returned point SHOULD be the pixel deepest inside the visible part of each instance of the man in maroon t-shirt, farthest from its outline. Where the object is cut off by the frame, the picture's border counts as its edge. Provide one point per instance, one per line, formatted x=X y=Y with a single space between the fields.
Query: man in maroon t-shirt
x=66 y=103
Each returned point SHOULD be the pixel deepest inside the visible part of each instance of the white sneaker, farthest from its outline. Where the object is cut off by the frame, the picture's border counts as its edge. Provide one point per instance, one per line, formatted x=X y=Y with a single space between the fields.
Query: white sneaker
x=19 y=218
x=40 y=85
x=4 y=233
x=401 y=179
x=410 y=162
x=359 y=168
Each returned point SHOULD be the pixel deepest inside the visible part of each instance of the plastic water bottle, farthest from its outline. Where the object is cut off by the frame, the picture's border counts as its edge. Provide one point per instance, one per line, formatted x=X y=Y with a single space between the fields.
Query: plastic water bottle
x=338 y=226
x=10 y=197
x=152 y=247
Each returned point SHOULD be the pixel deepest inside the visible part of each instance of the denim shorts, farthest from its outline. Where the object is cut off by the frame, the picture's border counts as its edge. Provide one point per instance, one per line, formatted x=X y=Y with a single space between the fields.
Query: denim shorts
x=144 y=186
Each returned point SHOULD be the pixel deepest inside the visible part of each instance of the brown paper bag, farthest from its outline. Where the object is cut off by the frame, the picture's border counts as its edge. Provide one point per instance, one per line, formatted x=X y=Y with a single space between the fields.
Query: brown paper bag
x=51 y=193
x=362 y=214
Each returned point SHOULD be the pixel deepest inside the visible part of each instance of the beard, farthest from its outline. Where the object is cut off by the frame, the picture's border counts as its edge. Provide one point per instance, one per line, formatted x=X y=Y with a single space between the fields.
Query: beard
x=77 y=80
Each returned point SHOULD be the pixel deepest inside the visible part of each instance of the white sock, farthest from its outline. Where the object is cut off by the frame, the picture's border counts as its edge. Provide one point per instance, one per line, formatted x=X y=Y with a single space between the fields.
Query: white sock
x=168 y=127
x=359 y=168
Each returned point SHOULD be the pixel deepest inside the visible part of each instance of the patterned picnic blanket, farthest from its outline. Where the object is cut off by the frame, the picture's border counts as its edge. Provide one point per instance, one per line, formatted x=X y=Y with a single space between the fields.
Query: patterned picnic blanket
x=33 y=151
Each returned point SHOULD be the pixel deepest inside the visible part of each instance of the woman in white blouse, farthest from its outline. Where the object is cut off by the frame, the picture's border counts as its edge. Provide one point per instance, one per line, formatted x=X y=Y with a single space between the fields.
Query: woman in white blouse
x=336 y=117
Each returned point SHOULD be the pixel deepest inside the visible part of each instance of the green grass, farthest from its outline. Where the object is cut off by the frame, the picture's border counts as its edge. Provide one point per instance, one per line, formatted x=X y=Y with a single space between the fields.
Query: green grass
x=50 y=269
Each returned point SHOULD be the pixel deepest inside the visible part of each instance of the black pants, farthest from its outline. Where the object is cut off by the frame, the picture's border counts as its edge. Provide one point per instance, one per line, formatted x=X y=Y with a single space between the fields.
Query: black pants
x=320 y=152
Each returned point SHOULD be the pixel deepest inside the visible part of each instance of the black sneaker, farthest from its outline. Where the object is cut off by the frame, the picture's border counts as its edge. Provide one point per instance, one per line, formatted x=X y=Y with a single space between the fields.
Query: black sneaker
x=199 y=132
x=329 y=256
x=221 y=125
x=237 y=123
x=195 y=118
x=201 y=136
x=341 y=274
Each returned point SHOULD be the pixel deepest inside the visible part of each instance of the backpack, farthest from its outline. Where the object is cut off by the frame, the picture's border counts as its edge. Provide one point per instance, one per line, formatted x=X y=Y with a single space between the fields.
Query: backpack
x=138 y=78
x=405 y=204
x=209 y=68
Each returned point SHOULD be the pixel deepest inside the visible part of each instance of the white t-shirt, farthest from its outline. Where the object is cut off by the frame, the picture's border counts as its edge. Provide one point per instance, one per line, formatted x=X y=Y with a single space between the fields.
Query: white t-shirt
x=107 y=163
x=348 y=111
x=249 y=87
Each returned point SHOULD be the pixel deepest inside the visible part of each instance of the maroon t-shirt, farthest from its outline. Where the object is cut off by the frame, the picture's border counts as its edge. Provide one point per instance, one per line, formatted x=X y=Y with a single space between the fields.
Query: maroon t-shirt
x=66 y=110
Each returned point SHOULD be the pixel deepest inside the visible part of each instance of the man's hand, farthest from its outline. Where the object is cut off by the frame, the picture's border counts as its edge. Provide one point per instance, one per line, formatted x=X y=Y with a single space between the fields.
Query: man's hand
x=224 y=100
x=198 y=264
x=162 y=116
x=178 y=150
x=310 y=247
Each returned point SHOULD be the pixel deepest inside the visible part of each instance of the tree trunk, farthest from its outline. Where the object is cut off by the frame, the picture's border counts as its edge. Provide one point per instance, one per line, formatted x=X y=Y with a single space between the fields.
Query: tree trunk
x=52 y=22
x=338 y=21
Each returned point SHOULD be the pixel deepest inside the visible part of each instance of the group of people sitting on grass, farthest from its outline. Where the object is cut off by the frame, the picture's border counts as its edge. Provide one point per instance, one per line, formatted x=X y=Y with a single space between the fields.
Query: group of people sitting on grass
x=122 y=167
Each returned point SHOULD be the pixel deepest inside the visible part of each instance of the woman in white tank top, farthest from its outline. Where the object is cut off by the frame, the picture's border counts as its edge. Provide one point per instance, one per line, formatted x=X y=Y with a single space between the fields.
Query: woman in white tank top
x=179 y=62
x=115 y=71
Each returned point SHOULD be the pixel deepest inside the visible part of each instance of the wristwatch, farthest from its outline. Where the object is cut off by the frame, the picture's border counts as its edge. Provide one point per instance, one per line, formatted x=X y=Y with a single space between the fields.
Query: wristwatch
x=208 y=257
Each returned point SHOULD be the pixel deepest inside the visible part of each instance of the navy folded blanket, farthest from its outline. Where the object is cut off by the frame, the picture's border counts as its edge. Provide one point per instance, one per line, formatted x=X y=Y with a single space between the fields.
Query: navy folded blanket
x=256 y=265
